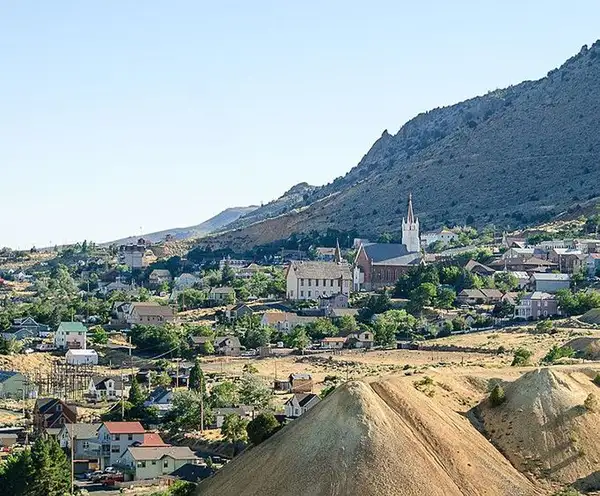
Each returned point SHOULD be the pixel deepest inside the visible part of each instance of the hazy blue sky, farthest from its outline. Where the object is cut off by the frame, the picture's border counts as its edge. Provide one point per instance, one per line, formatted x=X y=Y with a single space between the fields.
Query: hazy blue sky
x=117 y=115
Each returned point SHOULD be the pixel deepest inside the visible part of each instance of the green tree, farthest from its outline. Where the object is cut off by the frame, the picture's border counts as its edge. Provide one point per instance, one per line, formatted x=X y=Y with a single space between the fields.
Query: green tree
x=14 y=473
x=197 y=382
x=544 y=326
x=186 y=414
x=99 y=335
x=445 y=298
x=136 y=395
x=347 y=324
x=208 y=348
x=254 y=392
x=591 y=403
x=224 y=394
x=505 y=281
x=374 y=305
x=298 y=338
x=384 y=331
x=321 y=328
x=558 y=352
x=227 y=274
x=234 y=429
x=49 y=471
x=521 y=357
x=262 y=428
x=422 y=296
x=163 y=379
x=255 y=338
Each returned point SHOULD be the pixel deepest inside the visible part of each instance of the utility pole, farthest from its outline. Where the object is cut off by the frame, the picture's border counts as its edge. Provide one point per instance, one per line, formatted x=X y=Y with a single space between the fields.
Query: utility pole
x=201 y=401
x=122 y=398
x=72 y=459
x=177 y=376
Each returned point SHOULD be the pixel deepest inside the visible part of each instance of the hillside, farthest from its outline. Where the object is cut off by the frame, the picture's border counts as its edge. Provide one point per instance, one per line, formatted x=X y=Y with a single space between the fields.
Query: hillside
x=544 y=429
x=215 y=223
x=512 y=157
x=378 y=439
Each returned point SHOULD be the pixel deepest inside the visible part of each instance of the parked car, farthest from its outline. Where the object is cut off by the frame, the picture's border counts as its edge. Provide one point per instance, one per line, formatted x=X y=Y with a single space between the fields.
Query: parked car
x=111 y=479
x=96 y=476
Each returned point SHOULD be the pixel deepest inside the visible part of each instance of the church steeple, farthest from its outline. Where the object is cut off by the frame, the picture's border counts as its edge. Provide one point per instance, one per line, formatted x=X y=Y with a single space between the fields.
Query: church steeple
x=410 y=229
x=338 y=252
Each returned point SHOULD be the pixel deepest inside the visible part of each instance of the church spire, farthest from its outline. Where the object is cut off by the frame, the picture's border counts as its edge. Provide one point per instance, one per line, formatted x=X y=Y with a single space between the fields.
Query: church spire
x=410 y=217
x=338 y=252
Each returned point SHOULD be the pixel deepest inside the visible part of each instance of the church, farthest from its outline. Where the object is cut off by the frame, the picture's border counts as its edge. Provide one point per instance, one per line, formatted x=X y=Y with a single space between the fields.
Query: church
x=381 y=264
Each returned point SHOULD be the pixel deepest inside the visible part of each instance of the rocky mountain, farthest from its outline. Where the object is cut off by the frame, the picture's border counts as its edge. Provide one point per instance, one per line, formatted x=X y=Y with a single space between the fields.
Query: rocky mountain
x=213 y=224
x=512 y=157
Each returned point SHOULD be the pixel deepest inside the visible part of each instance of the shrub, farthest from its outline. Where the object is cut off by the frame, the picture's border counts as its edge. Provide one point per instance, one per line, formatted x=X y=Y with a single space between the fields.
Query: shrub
x=597 y=380
x=557 y=352
x=591 y=403
x=497 y=397
x=544 y=326
x=521 y=357
x=262 y=428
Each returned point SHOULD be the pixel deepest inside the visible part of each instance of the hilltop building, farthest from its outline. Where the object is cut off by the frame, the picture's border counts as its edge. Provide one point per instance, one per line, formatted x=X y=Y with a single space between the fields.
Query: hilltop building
x=381 y=264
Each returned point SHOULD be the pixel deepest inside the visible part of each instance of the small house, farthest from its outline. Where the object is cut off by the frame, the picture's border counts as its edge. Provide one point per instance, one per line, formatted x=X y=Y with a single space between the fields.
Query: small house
x=15 y=385
x=222 y=295
x=81 y=357
x=51 y=414
x=106 y=388
x=333 y=343
x=146 y=462
x=158 y=277
x=550 y=282
x=362 y=340
x=71 y=335
x=162 y=399
x=227 y=345
x=116 y=437
x=299 y=404
x=300 y=383
x=536 y=305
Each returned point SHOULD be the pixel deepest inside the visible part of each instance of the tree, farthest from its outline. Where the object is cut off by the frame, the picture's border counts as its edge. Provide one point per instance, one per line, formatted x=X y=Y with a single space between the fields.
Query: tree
x=136 y=395
x=445 y=298
x=254 y=392
x=227 y=274
x=497 y=397
x=422 y=296
x=558 y=352
x=374 y=305
x=521 y=357
x=298 y=338
x=255 y=338
x=49 y=472
x=249 y=369
x=544 y=326
x=321 y=328
x=14 y=471
x=99 y=335
x=208 y=348
x=384 y=332
x=347 y=324
x=186 y=412
x=505 y=281
x=262 y=428
x=197 y=382
x=224 y=394
x=163 y=379
x=234 y=429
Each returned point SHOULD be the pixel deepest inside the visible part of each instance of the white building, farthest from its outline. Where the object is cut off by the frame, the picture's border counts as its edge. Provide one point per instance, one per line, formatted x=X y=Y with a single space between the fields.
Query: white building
x=300 y=403
x=81 y=357
x=116 y=437
x=106 y=388
x=71 y=335
x=410 y=230
x=311 y=280
x=445 y=236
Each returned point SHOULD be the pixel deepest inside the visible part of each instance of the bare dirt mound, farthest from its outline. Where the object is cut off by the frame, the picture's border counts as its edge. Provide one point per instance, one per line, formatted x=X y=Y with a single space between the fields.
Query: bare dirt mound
x=544 y=429
x=586 y=347
x=379 y=439
x=591 y=316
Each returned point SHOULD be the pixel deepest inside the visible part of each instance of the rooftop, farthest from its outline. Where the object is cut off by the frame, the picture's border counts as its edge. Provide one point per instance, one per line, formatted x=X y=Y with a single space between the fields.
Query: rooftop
x=546 y=276
x=82 y=430
x=320 y=270
x=158 y=452
x=72 y=327
x=124 y=427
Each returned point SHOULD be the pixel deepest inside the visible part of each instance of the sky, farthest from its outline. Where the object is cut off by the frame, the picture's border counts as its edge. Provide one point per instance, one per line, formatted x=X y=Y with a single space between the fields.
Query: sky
x=120 y=117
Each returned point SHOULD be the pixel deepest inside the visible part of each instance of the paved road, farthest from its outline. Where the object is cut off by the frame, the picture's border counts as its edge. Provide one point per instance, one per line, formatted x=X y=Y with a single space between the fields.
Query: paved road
x=96 y=489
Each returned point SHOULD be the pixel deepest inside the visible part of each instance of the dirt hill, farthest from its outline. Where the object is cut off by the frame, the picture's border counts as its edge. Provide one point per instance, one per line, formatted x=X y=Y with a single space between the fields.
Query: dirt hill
x=379 y=439
x=516 y=156
x=544 y=429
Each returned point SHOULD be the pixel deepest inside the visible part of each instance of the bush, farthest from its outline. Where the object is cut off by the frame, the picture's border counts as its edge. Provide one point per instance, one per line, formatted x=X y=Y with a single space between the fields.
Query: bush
x=557 y=352
x=497 y=397
x=544 y=326
x=262 y=428
x=521 y=357
x=597 y=380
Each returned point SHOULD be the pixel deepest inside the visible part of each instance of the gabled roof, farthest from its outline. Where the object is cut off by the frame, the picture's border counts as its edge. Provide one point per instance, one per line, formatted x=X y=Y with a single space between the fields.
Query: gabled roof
x=78 y=352
x=300 y=377
x=156 y=453
x=546 y=276
x=220 y=341
x=81 y=430
x=380 y=252
x=474 y=266
x=333 y=340
x=320 y=270
x=151 y=308
x=491 y=293
x=538 y=295
x=153 y=439
x=72 y=327
x=302 y=398
x=160 y=273
x=5 y=375
x=340 y=312
x=200 y=339
x=158 y=394
x=124 y=427
x=100 y=382
x=222 y=290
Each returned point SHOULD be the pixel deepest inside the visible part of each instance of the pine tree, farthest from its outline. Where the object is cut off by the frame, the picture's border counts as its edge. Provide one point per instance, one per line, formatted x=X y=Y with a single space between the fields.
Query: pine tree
x=13 y=473
x=197 y=382
x=136 y=396
x=49 y=472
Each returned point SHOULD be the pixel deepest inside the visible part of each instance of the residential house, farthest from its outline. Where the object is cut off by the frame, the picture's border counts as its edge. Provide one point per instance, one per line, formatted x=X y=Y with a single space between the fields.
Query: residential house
x=51 y=414
x=333 y=343
x=336 y=313
x=442 y=235
x=300 y=383
x=299 y=404
x=86 y=447
x=511 y=297
x=568 y=260
x=523 y=264
x=154 y=462
x=199 y=342
x=478 y=268
x=134 y=254
x=107 y=388
x=550 y=282
x=285 y=321
x=111 y=287
x=185 y=281
x=471 y=297
x=339 y=300
x=233 y=263
x=149 y=313
x=237 y=311
x=8 y=439
x=362 y=340
x=81 y=357
x=15 y=385
x=519 y=253
x=70 y=335
x=522 y=277
x=248 y=271
x=221 y=296
x=536 y=305
x=158 y=277
x=593 y=264
x=162 y=399
x=116 y=437
x=311 y=280
x=31 y=326
x=227 y=345
x=325 y=254
x=587 y=246
x=243 y=411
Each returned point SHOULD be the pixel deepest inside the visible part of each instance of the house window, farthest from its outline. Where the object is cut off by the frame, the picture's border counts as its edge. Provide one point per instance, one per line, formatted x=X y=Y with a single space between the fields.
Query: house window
x=85 y=445
x=316 y=282
x=324 y=282
x=117 y=437
x=115 y=448
x=153 y=462
x=301 y=293
x=301 y=282
x=141 y=464
x=309 y=294
x=331 y=283
x=309 y=281
x=130 y=437
x=166 y=463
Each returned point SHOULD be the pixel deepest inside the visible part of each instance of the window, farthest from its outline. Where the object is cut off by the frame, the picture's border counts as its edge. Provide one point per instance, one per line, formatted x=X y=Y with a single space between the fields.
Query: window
x=316 y=282
x=324 y=282
x=166 y=463
x=117 y=437
x=153 y=462
x=309 y=294
x=115 y=448
x=141 y=464
x=85 y=445
x=331 y=283
x=301 y=282
x=309 y=281
x=130 y=437
x=301 y=293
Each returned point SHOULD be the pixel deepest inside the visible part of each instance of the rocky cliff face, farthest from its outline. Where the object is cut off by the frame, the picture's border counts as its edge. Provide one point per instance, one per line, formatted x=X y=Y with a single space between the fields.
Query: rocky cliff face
x=512 y=157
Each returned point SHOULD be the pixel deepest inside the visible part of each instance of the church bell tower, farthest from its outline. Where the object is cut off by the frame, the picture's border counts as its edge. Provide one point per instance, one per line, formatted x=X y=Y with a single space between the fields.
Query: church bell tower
x=410 y=229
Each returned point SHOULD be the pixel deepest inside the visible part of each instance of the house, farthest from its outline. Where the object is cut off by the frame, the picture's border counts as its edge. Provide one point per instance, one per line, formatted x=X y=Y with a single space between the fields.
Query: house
x=158 y=277
x=285 y=321
x=519 y=253
x=299 y=404
x=111 y=287
x=149 y=313
x=336 y=313
x=147 y=462
x=246 y=412
x=185 y=281
x=522 y=277
x=523 y=264
x=511 y=297
x=86 y=447
x=339 y=300
x=133 y=254
x=310 y=280
x=227 y=345
x=29 y=325
x=151 y=439
x=71 y=335
x=550 y=282
x=8 y=439
x=471 y=297
x=51 y=414
x=199 y=342
x=116 y=437
x=238 y=311
x=478 y=268
x=362 y=340
x=162 y=399
x=248 y=271
x=491 y=295
x=300 y=383
x=593 y=264
x=333 y=343
x=222 y=295
x=324 y=254
x=536 y=305
x=81 y=357
x=443 y=235
x=106 y=388
x=15 y=385
x=568 y=260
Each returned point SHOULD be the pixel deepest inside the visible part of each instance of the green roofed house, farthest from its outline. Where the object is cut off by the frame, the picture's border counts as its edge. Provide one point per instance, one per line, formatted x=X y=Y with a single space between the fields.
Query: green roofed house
x=14 y=385
x=70 y=335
